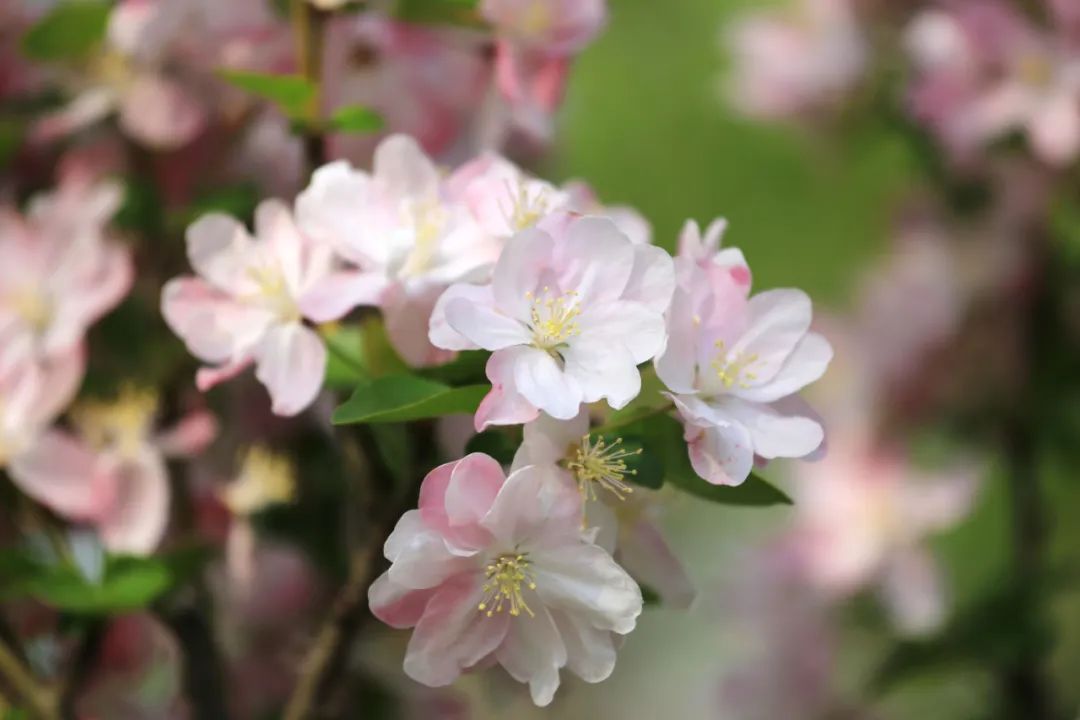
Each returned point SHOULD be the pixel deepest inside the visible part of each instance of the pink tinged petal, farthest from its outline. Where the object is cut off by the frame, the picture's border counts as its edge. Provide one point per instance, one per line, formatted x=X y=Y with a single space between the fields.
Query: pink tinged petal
x=516 y=277
x=647 y=556
x=86 y=109
x=936 y=504
x=63 y=474
x=676 y=366
x=220 y=251
x=722 y=454
x=484 y=326
x=440 y=333
x=190 y=436
x=636 y=327
x=421 y=559
x=139 y=514
x=396 y=605
x=274 y=226
x=777 y=320
x=160 y=113
x=533 y=652
x=61 y=378
x=209 y=377
x=807 y=363
x=535 y=508
x=1055 y=128
x=291 y=362
x=453 y=635
x=336 y=208
x=335 y=295
x=652 y=278
x=402 y=169
x=603 y=371
x=583 y=580
x=545 y=441
x=455 y=497
x=407 y=317
x=774 y=434
x=595 y=260
x=913 y=591
x=214 y=327
x=590 y=653
x=538 y=377
x=504 y=405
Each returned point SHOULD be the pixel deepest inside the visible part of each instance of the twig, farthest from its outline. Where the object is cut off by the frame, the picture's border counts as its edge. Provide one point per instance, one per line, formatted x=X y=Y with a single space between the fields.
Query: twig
x=630 y=419
x=307 y=22
x=43 y=701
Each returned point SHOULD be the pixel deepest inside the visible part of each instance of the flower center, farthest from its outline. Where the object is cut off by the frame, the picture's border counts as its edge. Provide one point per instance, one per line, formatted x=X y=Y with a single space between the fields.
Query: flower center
x=503 y=590
x=537 y=18
x=274 y=292
x=1035 y=69
x=427 y=219
x=526 y=208
x=122 y=425
x=33 y=307
x=601 y=464
x=265 y=479
x=734 y=369
x=553 y=318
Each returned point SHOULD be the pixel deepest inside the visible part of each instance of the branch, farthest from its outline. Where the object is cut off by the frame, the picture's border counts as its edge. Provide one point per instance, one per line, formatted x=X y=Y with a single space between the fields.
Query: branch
x=43 y=701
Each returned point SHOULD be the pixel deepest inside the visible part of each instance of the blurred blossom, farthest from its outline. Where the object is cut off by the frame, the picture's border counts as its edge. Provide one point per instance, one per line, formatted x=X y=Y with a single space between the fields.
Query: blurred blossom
x=112 y=475
x=535 y=42
x=622 y=514
x=495 y=568
x=569 y=315
x=137 y=673
x=32 y=395
x=796 y=60
x=733 y=363
x=249 y=302
x=984 y=72
x=59 y=273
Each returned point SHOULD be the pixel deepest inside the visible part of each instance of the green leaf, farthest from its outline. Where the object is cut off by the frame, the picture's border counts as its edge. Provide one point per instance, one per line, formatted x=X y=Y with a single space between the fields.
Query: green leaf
x=345 y=356
x=292 y=93
x=70 y=30
x=466 y=369
x=453 y=12
x=11 y=135
x=496 y=443
x=403 y=398
x=355 y=119
x=645 y=468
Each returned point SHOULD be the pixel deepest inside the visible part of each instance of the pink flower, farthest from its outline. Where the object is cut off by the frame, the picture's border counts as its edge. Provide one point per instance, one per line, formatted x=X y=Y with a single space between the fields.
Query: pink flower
x=32 y=395
x=250 y=300
x=863 y=514
x=407 y=238
x=733 y=364
x=984 y=72
x=569 y=317
x=495 y=569
x=791 y=62
x=536 y=40
x=58 y=273
x=112 y=476
x=621 y=513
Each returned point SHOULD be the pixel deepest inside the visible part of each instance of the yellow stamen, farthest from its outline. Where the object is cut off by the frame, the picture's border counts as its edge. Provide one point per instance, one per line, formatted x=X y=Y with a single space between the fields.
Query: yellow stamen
x=273 y=291
x=33 y=307
x=598 y=463
x=503 y=589
x=123 y=424
x=526 y=209
x=734 y=370
x=428 y=219
x=265 y=479
x=553 y=318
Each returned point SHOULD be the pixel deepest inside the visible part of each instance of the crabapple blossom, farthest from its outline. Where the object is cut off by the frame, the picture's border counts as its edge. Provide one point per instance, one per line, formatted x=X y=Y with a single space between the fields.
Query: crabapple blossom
x=112 y=475
x=493 y=568
x=622 y=512
x=733 y=364
x=568 y=315
x=249 y=302
x=536 y=40
x=407 y=238
x=796 y=60
x=58 y=272
x=984 y=71
x=32 y=395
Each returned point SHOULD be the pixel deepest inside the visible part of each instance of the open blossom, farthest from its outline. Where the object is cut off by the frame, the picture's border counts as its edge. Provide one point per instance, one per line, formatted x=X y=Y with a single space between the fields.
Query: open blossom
x=58 y=272
x=733 y=364
x=249 y=303
x=863 y=514
x=796 y=60
x=569 y=317
x=496 y=568
x=984 y=72
x=536 y=39
x=407 y=238
x=601 y=471
x=32 y=395
x=112 y=475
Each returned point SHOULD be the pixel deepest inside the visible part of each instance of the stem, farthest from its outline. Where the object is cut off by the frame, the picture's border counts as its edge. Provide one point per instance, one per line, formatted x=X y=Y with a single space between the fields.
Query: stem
x=42 y=700
x=631 y=418
x=307 y=22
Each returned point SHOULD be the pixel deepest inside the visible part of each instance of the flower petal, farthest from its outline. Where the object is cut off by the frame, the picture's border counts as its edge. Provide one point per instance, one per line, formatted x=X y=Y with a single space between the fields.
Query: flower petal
x=291 y=362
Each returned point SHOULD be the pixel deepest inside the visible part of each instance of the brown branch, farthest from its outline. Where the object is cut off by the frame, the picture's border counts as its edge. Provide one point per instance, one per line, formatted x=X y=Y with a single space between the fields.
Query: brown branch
x=42 y=700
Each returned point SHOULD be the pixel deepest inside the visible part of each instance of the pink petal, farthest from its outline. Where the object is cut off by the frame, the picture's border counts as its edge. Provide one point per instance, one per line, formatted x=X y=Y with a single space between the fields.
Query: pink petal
x=208 y=377
x=63 y=474
x=139 y=514
x=190 y=436
x=291 y=363
x=504 y=405
x=160 y=113
x=455 y=497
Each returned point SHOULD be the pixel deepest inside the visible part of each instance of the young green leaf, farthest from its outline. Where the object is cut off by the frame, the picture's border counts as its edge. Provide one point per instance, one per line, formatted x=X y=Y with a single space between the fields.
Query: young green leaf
x=355 y=119
x=292 y=93
x=404 y=397
x=70 y=30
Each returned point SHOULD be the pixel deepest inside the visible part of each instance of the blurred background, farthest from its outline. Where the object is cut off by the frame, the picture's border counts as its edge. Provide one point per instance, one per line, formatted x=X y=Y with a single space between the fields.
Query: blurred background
x=928 y=567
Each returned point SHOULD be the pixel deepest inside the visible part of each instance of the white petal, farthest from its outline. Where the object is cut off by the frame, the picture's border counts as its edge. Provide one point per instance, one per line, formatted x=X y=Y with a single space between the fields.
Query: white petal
x=590 y=653
x=291 y=363
x=545 y=440
x=402 y=169
x=652 y=279
x=773 y=433
x=776 y=321
x=584 y=580
x=517 y=273
x=807 y=363
x=633 y=325
x=533 y=652
x=219 y=249
x=603 y=372
x=595 y=259
x=484 y=325
x=538 y=377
